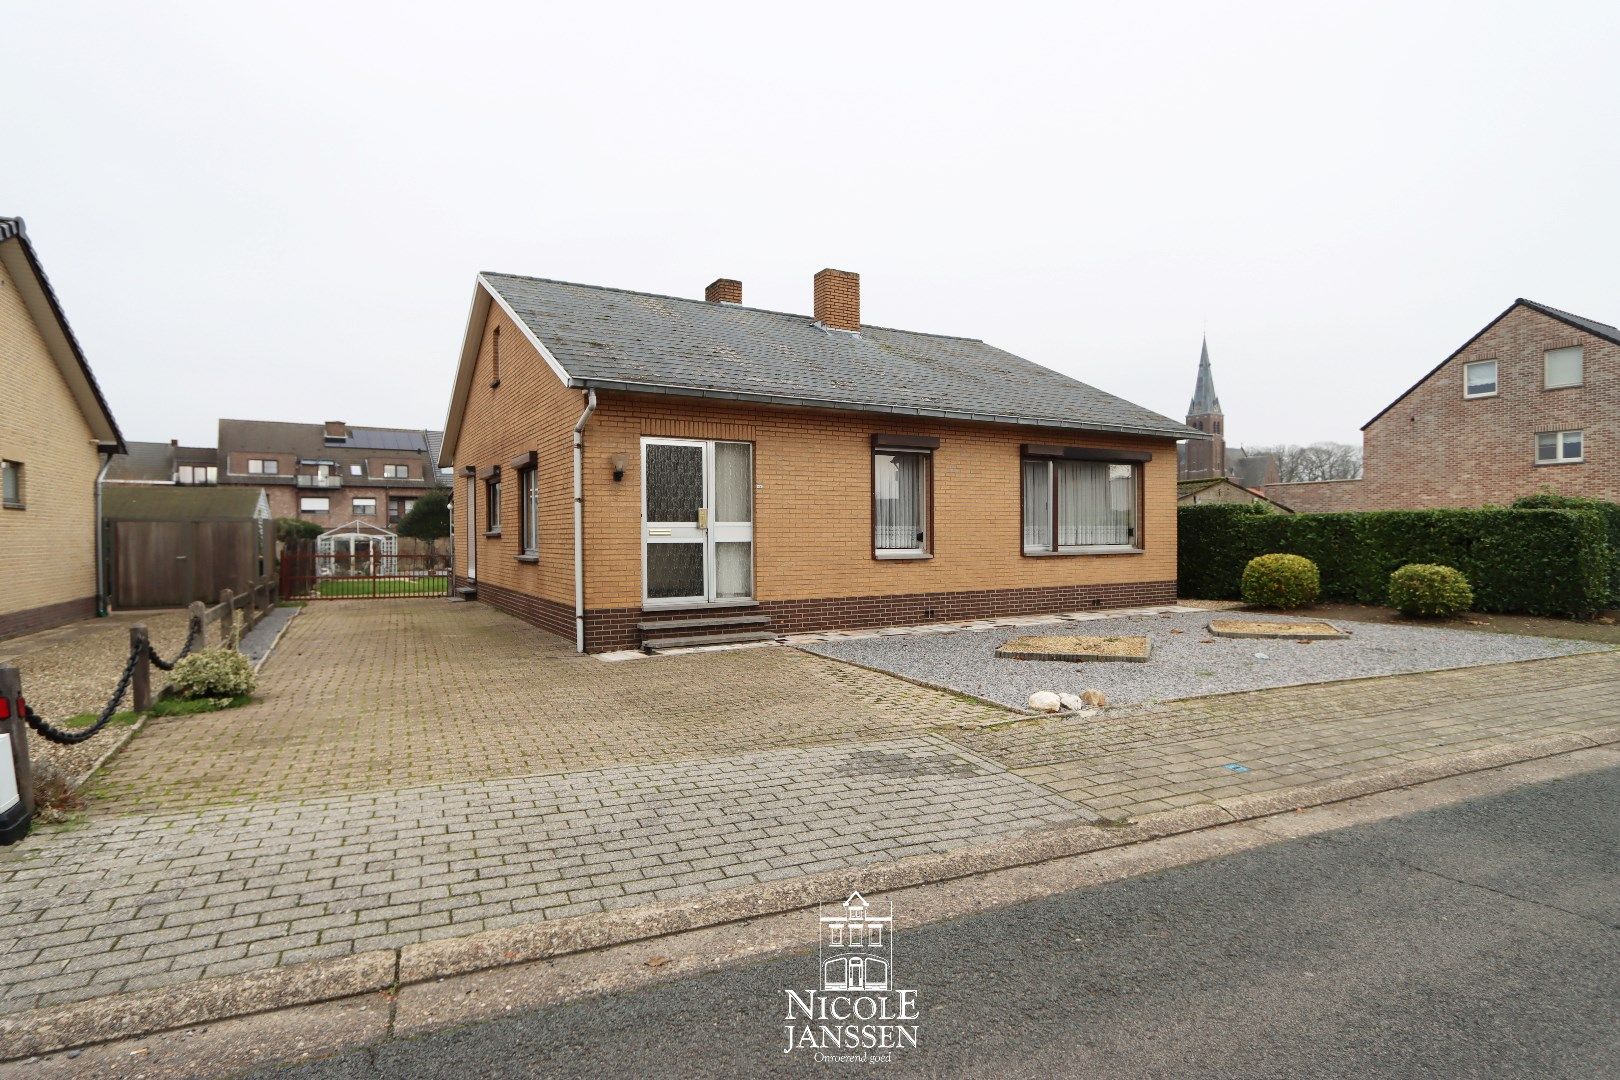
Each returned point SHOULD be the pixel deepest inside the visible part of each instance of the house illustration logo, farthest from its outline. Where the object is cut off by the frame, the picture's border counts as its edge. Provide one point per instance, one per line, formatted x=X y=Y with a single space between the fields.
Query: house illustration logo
x=857 y=1016
x=857 y=951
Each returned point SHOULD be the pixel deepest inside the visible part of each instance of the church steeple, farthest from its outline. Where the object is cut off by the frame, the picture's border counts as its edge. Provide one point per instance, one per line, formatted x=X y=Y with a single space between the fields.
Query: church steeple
x=1204 y=400
x=1202 y=459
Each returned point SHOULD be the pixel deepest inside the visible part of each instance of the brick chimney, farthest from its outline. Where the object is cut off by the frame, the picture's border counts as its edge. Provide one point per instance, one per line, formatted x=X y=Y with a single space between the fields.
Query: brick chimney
x=337 y=429
x=838 y=299
x=724 y=290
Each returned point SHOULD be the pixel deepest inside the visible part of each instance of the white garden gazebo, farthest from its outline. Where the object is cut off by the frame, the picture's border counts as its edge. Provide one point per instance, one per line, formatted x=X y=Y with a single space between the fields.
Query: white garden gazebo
x=358 y=549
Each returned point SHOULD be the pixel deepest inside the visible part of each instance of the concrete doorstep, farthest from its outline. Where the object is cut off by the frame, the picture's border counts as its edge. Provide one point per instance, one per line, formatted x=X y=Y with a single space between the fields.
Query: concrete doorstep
x=360 y=998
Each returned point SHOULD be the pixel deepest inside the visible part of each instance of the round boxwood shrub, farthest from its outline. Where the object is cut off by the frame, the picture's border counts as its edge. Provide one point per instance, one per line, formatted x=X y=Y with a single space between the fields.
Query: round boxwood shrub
x=213 y=673
x=1427 y=589
x=1281 y=581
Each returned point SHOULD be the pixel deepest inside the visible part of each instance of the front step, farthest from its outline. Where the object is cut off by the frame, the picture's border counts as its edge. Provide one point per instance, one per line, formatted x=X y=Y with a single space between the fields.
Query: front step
x=706 y=622
x=657 y=645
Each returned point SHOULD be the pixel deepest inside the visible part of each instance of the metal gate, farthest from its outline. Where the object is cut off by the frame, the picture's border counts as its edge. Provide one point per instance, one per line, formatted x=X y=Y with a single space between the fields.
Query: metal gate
x=362 y=572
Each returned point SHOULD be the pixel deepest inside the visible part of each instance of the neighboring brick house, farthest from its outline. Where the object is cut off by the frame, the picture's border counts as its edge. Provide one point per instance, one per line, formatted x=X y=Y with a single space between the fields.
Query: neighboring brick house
x=635 y=470
x=1218 y=489
x=1530 y=402
x=331 y=473
x=56 y=432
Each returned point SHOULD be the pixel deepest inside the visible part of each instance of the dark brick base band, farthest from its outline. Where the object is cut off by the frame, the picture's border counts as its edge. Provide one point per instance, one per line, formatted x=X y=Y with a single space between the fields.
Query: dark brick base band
x=615 y=628
x=537 y=610
x=43 y=618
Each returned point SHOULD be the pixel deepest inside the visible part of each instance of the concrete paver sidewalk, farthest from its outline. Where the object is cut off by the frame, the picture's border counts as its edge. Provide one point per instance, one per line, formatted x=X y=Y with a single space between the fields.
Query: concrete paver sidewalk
x=420 y=770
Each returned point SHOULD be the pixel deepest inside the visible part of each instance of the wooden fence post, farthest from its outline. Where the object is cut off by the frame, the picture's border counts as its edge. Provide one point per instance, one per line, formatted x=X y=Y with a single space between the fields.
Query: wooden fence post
x=17 y=728
x=141 y=684
x=227 y=600
x=198 y=615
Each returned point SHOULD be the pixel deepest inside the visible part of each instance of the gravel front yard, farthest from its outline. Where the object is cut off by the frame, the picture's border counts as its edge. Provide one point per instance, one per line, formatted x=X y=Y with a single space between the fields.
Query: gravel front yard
x=1187 y=661
x=72 y=669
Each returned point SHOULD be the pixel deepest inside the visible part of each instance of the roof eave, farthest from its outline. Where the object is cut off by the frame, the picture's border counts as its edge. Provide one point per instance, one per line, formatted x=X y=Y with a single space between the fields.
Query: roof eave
x=669 y=390
x=19 y=233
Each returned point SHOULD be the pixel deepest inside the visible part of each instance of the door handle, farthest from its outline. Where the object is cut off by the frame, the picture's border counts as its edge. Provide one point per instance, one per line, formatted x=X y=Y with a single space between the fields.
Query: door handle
x=703 y=517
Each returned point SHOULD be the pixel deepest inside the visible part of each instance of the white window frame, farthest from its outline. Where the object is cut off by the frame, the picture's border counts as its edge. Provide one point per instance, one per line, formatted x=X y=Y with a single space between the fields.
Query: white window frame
x=396 y=472
x=1546 y=374
x=355 y=470
x=1056 y=527
x=263 y=467
x=354 y=506
x=529 y=511
x=492 y=504
x=924 y=547
x=1558 y=447
x=1496 y=373
x=304 y=500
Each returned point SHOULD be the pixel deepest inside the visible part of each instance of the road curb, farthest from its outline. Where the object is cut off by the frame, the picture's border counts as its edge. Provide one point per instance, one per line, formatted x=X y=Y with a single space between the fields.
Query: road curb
x=123 y=1016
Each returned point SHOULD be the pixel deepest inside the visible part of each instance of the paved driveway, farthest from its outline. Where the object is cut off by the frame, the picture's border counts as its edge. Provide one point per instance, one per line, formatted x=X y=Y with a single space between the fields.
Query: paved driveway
x=388 y=694
x=420 y=770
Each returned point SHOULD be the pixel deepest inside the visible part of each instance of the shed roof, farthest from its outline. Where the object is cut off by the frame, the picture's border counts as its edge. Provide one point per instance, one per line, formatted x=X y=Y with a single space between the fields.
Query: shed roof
x=179 y=502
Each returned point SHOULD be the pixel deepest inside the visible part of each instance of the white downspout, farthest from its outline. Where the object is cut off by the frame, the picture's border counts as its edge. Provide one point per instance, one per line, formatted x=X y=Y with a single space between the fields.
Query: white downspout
x=579 y=521
x=101 y=568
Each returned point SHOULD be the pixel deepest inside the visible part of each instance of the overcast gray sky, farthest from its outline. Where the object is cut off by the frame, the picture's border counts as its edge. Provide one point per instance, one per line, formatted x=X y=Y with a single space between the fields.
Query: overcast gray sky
x=276 y=210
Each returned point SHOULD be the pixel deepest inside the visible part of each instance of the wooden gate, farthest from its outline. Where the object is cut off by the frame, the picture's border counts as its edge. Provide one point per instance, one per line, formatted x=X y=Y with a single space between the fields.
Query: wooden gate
x=172 y=563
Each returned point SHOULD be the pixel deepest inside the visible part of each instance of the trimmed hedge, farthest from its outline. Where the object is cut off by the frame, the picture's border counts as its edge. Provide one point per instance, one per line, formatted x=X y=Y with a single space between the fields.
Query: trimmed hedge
x=1608 y=511
x=1538 y=562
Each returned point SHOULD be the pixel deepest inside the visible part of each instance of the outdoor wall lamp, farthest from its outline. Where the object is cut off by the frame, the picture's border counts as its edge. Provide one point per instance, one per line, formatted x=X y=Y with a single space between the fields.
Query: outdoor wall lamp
x=618 y=462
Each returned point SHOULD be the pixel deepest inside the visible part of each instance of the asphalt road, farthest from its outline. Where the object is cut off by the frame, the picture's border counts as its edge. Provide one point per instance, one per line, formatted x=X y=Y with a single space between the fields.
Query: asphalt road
x=1482 y=939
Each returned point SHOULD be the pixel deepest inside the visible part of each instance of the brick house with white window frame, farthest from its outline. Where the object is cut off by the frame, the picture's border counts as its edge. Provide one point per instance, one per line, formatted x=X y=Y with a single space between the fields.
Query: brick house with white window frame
x=642 y=470
x=331 y=473
x=1531 y=402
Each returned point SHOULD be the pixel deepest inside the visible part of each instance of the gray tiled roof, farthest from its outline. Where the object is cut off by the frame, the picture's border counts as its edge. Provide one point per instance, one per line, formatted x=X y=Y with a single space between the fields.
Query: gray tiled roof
x=613 y=338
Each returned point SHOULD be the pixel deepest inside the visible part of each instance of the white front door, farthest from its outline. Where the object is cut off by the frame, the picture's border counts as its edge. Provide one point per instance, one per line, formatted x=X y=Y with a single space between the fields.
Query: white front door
x=697 y=521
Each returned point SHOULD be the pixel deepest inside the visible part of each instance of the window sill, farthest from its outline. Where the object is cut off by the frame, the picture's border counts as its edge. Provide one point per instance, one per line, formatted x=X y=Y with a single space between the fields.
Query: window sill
x=1565 y=461
x=13 y=506
x=1065 y=552
x=1566 y=386
x=528 y=558
x=902 y=556
x=1479 y=397
x=492 y=534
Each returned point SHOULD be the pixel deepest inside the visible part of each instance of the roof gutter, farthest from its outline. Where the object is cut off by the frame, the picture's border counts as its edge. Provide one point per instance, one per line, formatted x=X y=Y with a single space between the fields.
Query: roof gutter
x=1178 y=432
x=579 y=520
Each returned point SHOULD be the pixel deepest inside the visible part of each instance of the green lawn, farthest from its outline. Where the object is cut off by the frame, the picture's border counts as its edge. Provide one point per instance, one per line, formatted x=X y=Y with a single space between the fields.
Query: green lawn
x=335 y=588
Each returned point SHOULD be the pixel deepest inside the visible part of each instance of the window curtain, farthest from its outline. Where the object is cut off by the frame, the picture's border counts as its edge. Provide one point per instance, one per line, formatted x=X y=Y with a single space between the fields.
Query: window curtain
x=1037 y=506
x=899 y=488
x=1096 y=503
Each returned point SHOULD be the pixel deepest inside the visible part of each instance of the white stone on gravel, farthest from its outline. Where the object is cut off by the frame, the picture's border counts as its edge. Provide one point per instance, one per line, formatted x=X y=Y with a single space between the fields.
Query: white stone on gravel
x=1189 y=664
x=1071 y=702
x=1045 y=701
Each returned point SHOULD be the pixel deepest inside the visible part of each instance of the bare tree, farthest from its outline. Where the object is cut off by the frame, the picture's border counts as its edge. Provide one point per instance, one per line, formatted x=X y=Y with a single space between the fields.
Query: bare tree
x=1318 y=461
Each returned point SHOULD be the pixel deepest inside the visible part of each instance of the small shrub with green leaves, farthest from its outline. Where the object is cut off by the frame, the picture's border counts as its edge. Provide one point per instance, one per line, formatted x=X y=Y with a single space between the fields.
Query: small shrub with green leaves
x=213 y=673
x=1430 y=590
x=1281 y=581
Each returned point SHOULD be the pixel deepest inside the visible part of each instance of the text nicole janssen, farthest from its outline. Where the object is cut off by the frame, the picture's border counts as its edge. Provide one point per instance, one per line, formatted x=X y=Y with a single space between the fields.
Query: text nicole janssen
x=829 y=1021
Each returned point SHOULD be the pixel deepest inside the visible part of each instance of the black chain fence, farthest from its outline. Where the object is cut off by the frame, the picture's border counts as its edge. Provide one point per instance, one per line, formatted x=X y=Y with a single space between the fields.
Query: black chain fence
x=69 y=736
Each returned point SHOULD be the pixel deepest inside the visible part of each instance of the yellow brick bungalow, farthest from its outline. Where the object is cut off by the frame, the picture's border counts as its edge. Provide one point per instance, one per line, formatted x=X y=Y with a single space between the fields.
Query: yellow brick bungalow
x=635 y=470
x=56 y=434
